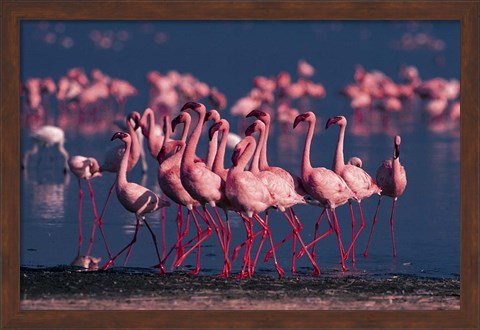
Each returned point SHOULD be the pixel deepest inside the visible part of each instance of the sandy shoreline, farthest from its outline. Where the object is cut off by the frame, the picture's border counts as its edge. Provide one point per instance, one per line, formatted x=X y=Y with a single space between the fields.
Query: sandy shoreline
x=67 y=289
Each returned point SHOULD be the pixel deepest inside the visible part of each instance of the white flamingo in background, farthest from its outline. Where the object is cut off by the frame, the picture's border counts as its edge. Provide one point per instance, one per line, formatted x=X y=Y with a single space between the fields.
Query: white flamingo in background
x=134 y=197
x=47 y=136
x=355 y=177
x=324 y=185
x=392 y=178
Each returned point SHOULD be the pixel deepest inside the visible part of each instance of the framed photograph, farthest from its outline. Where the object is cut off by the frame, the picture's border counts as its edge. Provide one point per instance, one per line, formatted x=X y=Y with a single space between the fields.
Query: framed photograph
x=396 y=72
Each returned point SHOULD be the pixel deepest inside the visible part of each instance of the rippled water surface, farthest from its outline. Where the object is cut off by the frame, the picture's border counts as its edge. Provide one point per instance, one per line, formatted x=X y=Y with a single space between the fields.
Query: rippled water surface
x=229 y=55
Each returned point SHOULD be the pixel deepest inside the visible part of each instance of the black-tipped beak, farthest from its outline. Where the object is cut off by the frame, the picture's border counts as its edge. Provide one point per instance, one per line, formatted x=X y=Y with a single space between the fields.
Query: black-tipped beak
x=161 y=155
x=250 y=129
x=175 y=122
x=332 y=121
x=256 y=113
x=118 y=135
x=397 y=151
x=190 y=105
x=299 y=119
x=213 y=129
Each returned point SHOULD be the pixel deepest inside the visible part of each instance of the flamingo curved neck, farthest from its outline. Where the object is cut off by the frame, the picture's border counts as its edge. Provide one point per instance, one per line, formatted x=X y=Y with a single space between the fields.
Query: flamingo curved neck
x=135 y=144
x=338 y=160
x=212 y=151
x=255 y=165
x=263 y=165
x=167 y=128
x=122 y=171
x=189 y=155
x=245 y=156
x=306 y=149
x=186 y=127
x=219 y=163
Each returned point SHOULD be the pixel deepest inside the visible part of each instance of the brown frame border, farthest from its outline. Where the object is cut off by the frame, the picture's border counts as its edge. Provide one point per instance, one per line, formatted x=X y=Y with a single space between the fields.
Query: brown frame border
x=12 y=12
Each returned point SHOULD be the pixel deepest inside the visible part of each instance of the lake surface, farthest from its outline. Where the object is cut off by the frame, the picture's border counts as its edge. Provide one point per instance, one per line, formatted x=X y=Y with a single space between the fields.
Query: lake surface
x=229 y=55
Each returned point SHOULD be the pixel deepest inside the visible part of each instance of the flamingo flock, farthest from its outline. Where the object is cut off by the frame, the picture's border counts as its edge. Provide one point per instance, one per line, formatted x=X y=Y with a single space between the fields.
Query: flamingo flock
x=249 y=187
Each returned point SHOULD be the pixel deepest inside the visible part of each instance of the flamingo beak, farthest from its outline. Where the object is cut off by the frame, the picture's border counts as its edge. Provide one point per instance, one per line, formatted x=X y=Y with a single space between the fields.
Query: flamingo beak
x=332 y=121
x=190 y=105
x=397 y=151
x=213 y=129
x=161 y=156
x=299 y=119
x=175 y=122
x=118 y=135
x=250 y=130
x=256 y=113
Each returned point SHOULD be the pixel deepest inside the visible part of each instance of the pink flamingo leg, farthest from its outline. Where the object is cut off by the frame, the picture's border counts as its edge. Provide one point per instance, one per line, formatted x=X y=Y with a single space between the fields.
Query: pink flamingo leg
x=246 y=260
x=264 y=236
x=95 y=222
x=365 y=254
x=80 y=238
x=337 y=231
x=317 y=224
x=164 y=241
x=109 y=263
x=265 y=227
x=316 y=270
x=391 y=227
x=362 y=225
x=316 y=240
x=100 y=223
x=155 y=243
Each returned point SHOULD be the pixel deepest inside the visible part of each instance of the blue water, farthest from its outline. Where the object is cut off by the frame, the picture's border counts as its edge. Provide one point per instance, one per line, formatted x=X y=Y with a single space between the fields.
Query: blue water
x=229 y=55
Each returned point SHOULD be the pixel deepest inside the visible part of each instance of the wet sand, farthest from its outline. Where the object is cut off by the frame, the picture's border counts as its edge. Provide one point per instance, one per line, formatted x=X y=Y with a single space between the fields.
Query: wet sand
x=67 y=288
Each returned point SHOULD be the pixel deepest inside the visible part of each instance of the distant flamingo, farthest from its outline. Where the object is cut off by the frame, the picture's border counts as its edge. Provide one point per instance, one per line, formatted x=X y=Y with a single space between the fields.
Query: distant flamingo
x=392 y=179
x=283 y=193
x=84 y=168
x=201 y=182
x=47 y=136
x=248 y=194
x=324 y=185
x=134 y=197
x=355 y=177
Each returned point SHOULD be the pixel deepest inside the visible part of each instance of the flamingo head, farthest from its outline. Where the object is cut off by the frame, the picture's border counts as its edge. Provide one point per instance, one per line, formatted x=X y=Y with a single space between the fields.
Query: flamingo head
x=214 y=129
x=302 y=117
x=194 y=106
x=169 y=147
x=120 y=135
x=179 y=119
x=257 y=113
x=396 y=150
x=256 y=126
x=136 y=117
x=212 y=115
x=340 y=120
x=94 y=166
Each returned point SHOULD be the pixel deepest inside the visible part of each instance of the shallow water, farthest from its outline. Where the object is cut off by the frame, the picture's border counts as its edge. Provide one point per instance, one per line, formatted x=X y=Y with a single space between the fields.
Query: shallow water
x=229 y=55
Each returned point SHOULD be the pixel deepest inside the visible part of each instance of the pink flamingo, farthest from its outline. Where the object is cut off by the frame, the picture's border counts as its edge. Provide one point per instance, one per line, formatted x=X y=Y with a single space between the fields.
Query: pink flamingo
x=84 y=168
x=47 y=136
x=324 y=185
x=392 y=179
x=201 y=182
x=283 y=193
x=247 y=193
x=134 y=197
x=171 y=184
x=115 y=155
x=355 y=177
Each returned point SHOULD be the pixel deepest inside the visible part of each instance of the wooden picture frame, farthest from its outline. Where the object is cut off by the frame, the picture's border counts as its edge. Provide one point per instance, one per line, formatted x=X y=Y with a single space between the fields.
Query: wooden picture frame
x=13 y=12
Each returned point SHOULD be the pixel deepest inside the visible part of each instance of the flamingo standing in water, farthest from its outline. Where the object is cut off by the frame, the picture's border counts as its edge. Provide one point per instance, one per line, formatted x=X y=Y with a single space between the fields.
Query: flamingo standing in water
x=324 y=185
x=47 y=136
x=247 y=193
x=171 y=184
x=355 y=177
x=134 y=197
x=283 y=193
x=84 y=168
x=200 y=181
x=392 y=179
x=114 y=156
